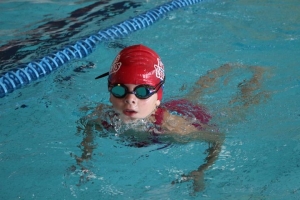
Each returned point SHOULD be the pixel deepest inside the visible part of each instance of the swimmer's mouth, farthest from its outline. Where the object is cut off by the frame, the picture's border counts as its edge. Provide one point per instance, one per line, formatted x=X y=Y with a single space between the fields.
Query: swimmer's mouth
x=129 y=112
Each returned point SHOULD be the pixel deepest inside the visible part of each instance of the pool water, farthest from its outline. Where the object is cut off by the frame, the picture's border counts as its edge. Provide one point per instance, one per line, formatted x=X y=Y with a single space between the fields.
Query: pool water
x=40 y=135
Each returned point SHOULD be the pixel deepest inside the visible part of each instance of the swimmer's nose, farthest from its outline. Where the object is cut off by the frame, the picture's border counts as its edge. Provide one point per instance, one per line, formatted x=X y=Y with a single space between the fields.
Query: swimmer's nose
x=130 y=98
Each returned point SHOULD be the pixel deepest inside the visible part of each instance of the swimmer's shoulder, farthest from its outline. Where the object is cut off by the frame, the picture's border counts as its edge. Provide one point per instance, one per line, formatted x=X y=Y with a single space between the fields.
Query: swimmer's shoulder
x=176 y=124
x=183 y=117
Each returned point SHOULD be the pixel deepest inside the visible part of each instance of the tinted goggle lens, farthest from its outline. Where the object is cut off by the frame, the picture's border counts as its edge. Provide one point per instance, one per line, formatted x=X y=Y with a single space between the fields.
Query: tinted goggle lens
x=118 y=91
x=142 y=92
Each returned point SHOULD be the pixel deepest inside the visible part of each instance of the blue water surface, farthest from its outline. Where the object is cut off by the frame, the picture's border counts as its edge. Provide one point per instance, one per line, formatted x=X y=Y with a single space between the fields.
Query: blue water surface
x=39 y=123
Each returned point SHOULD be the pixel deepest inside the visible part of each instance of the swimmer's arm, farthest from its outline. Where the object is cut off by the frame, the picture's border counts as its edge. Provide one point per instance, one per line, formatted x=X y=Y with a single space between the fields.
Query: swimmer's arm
x=89 y=123
x=215 y=141
x=197 y=176
x=179 y=126
x=85 y=145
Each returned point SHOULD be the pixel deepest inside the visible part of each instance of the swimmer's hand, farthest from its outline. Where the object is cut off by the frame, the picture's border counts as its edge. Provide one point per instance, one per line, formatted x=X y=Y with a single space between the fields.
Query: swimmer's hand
x=196 y=176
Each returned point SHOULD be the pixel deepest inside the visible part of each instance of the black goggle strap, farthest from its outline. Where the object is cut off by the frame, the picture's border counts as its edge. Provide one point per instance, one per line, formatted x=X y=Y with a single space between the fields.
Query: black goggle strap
x=102 y=75
x=160 y=84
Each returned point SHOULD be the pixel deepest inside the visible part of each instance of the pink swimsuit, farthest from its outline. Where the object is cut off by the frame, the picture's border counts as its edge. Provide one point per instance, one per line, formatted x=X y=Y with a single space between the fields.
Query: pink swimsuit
x=185 y=108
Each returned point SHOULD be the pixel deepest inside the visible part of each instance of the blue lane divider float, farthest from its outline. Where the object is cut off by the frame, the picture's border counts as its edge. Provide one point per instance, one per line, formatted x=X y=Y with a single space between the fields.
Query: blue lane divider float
x=27 y=73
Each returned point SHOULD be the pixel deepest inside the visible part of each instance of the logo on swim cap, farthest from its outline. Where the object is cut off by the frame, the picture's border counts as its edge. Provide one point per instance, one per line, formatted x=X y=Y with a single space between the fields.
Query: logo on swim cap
x=116 y=65
x=159 y=69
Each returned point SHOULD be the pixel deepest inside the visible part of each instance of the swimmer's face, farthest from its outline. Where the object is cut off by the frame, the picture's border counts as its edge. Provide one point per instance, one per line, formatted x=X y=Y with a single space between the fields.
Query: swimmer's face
x=132 y=108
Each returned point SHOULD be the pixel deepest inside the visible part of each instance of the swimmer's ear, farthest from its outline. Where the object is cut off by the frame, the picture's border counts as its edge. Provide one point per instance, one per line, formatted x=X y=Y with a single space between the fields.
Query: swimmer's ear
x=157 y=103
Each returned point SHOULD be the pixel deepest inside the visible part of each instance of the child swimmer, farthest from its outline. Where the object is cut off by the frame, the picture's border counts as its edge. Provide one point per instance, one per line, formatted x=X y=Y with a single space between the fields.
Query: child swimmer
x=135 y=82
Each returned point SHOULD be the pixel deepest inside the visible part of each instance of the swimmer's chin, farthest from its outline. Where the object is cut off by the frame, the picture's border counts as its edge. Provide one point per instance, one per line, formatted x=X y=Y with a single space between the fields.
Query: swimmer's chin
x=130 y=119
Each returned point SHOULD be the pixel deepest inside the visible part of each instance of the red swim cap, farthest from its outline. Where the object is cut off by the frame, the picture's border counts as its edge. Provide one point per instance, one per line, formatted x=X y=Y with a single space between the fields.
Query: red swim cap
x=137 y=65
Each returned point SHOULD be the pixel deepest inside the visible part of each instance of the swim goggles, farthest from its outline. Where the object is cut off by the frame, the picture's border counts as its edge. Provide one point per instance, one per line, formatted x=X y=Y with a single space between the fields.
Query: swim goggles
x=140 y=91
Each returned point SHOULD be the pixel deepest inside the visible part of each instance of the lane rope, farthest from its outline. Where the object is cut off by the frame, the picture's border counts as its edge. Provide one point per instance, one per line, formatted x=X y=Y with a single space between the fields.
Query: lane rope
x=27 y=73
